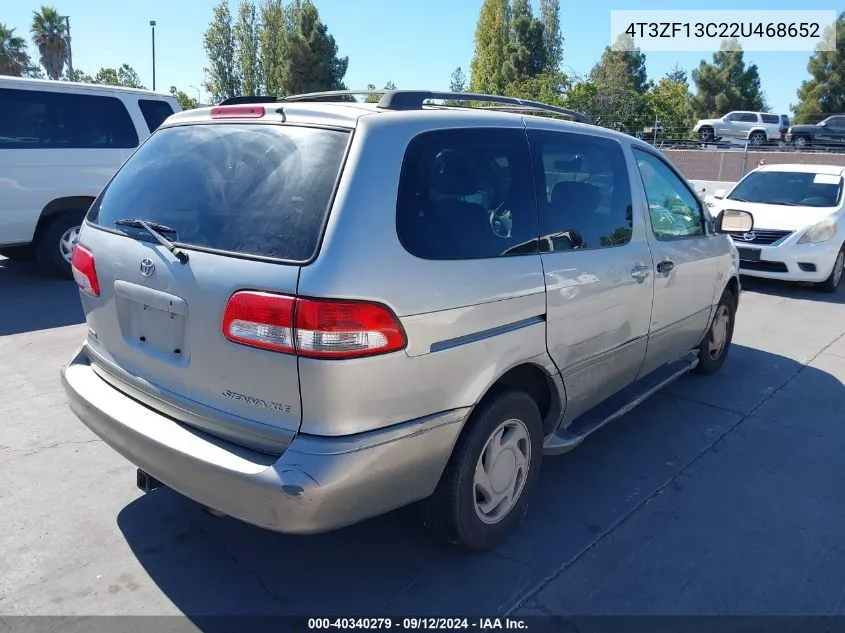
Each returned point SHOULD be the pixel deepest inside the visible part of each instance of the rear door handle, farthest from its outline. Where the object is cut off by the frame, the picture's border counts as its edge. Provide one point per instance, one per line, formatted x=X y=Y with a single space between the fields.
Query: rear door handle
x=665 y=266
x=640 y=273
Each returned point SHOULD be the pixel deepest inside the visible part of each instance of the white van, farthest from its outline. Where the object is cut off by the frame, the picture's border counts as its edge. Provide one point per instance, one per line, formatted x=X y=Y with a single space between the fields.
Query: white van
x=60 y=143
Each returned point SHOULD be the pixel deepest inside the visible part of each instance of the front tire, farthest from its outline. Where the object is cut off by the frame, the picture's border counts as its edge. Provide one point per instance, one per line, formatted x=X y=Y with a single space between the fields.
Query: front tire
x=713 y=350
x=492 y=473
x=55 y=243
x=706 y=135
x=800 y=142
x=831 y=284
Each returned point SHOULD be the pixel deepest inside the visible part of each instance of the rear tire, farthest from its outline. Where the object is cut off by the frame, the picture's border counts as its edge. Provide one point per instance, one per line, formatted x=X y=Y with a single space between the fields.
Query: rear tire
x=831 y=284
x=54 y=243
x=757 y=138
x=714 y=348
x=484 y=491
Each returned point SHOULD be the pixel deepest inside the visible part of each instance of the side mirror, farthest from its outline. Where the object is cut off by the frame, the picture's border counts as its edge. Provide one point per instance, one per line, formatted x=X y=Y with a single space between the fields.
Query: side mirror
x=731 y=221
x=719 y=194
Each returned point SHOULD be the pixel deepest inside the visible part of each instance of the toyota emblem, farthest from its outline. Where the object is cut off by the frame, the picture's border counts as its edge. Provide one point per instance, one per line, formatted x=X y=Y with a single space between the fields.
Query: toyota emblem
x=750 y=236
x=147 y=267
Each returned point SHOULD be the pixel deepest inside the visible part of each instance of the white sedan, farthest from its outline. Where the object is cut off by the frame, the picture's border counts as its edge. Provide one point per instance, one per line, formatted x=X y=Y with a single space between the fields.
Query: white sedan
x=799 y=223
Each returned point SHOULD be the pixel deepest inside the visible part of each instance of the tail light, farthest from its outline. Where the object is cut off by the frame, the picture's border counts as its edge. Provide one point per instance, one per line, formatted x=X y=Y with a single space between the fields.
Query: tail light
x=237 y=112
x=84 y=271
x=313 y=328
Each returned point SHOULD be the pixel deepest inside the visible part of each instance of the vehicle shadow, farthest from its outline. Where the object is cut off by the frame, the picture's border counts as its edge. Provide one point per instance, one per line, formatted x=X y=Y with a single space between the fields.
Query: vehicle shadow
x=33 y=301
x=390 y=566
x=792 y=289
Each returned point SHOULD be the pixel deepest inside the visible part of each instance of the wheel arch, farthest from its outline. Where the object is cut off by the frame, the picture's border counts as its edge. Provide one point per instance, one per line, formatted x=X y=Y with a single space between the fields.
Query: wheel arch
x=67 y=204
x=545 y=389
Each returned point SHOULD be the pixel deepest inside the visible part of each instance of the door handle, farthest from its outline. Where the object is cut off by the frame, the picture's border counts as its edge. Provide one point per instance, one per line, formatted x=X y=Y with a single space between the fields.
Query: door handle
x=640 y=273
x=665 y=266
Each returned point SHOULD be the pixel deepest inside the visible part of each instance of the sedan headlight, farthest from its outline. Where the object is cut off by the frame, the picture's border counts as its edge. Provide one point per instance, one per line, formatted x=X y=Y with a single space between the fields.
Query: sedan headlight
x=820 y=232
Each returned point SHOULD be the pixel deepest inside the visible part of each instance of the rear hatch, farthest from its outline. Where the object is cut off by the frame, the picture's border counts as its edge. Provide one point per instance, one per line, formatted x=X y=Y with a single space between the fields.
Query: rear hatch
x=247 y=203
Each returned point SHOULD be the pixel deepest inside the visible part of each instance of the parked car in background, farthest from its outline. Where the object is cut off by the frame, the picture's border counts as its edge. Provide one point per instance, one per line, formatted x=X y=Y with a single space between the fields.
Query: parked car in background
x=755 y=127
x=60 y=143
x=304 y=314
x=799 y=229
x=830 y=131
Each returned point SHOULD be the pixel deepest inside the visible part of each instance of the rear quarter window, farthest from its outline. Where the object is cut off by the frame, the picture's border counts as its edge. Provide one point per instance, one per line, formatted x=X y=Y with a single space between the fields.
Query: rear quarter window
x=771 y=118
x=35 y=119
x=467 y=194
x=250 y=189
x=155 y=112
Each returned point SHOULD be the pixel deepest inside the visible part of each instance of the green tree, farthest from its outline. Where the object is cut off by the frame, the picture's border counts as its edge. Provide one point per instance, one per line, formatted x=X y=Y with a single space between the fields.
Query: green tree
x=14 y=58
x=678 y=75
x=457 y=81
x=491 y=48
x=670 y=102
x=621 y=83
x=552 y=38
x=77 y=75
x=186 y=102
x=124 y=76
x=48 y=34
x=107 y=77
x=526 y=48
x=247 y=62
x=824 y=94
x=726 y=84
x=622 y=59
x=312 y=62
x=222 y=80
x=271 y=46
x=128 y=78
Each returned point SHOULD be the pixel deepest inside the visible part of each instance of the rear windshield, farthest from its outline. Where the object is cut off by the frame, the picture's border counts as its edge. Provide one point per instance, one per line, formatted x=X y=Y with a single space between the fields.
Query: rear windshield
x=261 y=190
x=790 y=189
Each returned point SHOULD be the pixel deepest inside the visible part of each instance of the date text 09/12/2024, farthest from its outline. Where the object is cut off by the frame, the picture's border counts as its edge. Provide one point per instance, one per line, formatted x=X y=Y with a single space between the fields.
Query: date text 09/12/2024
x=724 y=29
x=417 y=624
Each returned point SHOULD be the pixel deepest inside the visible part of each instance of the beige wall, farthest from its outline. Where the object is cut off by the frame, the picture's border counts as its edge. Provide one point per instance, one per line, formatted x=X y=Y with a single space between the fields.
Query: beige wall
x=731 y=166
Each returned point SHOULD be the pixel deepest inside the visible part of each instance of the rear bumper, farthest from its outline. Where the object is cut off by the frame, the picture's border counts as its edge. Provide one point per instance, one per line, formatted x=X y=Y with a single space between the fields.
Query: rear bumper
x=318 y=484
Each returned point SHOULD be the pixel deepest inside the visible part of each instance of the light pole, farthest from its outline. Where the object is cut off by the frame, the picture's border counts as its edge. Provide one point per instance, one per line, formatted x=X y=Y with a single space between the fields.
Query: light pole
x=67 y=40
x=199 y=96
x=153 y=25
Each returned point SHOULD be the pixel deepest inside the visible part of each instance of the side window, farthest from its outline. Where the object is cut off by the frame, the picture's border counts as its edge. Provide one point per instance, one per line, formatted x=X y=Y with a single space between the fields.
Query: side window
x=748 y=117
x=771 y=118
x=26 y=121
x=54 y=120
x=837 y=122
x=88 y=122
x=155 y=112
x=733 y=116
x=467 y=194
x=583 y=191
x=674 y=210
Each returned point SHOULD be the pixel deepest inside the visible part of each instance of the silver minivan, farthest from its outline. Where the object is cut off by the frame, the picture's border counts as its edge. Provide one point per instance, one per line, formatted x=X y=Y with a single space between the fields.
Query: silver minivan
x=303 y=313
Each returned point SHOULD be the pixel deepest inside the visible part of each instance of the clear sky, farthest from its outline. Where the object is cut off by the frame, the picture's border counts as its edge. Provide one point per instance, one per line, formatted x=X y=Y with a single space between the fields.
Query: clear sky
x=415 y=44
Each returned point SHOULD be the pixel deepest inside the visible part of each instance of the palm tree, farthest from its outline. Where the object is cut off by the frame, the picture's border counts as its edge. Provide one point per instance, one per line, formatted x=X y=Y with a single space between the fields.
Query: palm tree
x=48 y=33
x=14 y=59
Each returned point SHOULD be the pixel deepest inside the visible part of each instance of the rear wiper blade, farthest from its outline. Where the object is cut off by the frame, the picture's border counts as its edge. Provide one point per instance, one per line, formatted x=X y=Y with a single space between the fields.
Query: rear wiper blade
x=155 y=229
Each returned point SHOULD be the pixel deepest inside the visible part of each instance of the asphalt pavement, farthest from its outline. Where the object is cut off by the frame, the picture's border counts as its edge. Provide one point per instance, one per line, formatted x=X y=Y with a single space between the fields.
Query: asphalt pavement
x=721 y=495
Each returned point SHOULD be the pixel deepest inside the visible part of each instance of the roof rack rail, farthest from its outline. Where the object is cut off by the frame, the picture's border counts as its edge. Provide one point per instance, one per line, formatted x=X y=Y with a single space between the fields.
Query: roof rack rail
x=414 y=100
x=247 y=99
